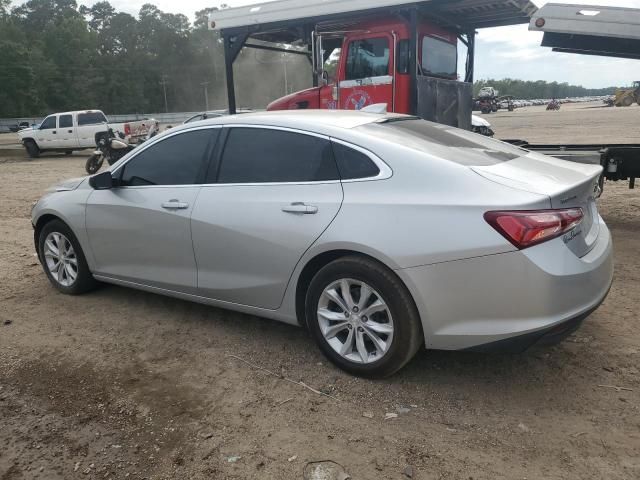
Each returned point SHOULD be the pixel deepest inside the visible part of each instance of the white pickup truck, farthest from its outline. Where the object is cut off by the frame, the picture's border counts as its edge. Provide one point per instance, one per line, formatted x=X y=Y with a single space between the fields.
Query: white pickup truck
x=69 y=131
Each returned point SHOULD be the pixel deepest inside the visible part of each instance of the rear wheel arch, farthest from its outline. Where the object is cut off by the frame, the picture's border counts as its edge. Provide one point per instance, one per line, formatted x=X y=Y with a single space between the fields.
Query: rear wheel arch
x=317 y=263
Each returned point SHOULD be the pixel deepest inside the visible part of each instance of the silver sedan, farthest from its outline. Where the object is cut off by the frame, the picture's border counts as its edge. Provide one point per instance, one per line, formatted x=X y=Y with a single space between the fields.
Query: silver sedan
x=379 y=233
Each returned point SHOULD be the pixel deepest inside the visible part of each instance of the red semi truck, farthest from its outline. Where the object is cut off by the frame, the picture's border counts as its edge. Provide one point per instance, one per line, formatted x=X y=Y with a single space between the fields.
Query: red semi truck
x=397 y=52
x=373 y=65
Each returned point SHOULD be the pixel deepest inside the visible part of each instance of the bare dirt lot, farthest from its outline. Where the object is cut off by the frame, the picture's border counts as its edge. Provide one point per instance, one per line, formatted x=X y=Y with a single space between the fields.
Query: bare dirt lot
x=125 y=384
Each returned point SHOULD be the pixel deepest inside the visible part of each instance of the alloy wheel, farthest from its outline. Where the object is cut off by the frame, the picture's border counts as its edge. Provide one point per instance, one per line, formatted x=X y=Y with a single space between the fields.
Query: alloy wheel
x=355 y=321
x=61 y=259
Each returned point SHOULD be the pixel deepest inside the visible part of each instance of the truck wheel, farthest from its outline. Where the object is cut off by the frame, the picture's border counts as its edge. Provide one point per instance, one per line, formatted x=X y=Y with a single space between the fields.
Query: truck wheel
x=32 y=149
x=627 y=102
x=94 y=162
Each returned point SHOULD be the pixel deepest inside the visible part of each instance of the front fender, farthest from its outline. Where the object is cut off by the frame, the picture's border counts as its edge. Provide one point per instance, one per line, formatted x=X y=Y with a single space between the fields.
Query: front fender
x=69 y=207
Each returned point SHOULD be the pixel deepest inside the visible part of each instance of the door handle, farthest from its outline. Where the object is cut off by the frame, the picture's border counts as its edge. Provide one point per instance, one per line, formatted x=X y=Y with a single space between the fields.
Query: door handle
x=54 y=132
x=70 y=131
x=175 y=205
x=300 y=208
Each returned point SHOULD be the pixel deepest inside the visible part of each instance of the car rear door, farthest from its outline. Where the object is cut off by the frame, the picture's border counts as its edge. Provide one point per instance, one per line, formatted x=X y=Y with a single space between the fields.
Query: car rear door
x=271 y=195
x=140 y=232
x=67 y=137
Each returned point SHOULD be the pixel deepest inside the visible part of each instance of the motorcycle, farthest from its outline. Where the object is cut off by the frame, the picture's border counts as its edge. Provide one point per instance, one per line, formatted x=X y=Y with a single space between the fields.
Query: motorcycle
x=554 y=105
x=110 y=148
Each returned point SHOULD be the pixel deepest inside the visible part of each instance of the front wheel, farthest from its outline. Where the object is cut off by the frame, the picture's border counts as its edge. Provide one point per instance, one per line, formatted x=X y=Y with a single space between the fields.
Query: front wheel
x=94 y=162
x=63 y=260
x=362 y=317
x=32 y=149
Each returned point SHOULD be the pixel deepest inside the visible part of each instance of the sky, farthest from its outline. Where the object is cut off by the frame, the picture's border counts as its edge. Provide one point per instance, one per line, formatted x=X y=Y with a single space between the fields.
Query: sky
x=503 y=52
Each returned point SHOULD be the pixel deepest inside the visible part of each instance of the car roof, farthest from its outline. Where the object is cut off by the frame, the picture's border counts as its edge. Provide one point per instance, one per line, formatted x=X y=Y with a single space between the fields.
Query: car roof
x=318 y=121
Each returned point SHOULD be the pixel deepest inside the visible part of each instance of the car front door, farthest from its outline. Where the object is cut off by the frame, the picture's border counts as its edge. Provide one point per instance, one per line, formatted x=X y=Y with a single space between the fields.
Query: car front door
x=367 y=74
x=272 y=195
x=48 y=133
x=140 y=231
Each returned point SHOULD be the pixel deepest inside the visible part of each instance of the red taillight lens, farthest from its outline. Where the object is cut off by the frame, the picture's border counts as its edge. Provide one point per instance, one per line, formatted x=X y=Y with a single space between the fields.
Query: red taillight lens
x=528 y=228
x=127 y=129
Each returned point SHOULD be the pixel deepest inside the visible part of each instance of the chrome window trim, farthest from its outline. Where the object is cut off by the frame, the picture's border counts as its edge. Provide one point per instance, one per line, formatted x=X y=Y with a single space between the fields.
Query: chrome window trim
x=150 y=144
x=385 y=170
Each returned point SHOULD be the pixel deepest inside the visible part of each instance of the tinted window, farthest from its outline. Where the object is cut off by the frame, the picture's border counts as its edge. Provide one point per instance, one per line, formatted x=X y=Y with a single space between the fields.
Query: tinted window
x=174 y=161
x=49 y=123
x=368 y=58
x=254 y=155
x=439 y=57
x=91 y=118
x=65 y=121
x=353 y=164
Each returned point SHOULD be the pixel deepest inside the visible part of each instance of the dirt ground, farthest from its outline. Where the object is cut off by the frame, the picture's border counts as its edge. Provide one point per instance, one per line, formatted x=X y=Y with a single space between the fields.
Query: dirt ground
x=125 y=384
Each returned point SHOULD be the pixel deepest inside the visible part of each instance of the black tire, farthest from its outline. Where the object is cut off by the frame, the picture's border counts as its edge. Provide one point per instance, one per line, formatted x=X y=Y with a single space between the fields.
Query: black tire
x=407 y=334
x=32 y=149
x=94 y=162
x=485 y=110
x=84 y=280
x=627 y=102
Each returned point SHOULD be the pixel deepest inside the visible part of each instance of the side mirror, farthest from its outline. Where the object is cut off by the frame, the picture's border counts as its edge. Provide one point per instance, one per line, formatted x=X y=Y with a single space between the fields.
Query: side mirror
x=102 y=181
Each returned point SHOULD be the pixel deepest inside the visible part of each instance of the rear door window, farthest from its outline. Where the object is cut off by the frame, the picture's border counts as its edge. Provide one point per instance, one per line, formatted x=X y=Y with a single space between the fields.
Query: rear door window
x=176 y=160
x=262 y=155
x=65 y=121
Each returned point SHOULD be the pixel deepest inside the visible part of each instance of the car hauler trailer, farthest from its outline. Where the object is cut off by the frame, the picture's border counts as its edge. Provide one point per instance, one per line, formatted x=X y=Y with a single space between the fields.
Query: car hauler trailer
x=592 y=30
x=402 y=53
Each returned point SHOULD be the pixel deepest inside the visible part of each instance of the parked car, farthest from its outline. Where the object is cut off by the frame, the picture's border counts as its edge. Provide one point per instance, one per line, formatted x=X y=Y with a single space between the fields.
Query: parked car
x=380 y=233
x=70 y=131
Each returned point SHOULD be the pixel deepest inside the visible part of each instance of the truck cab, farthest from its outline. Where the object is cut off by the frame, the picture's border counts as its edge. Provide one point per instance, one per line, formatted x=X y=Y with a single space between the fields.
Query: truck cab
x=371 y=60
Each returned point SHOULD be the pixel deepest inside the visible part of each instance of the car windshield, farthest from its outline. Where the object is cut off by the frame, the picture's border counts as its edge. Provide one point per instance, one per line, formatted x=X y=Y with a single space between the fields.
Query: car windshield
x=456 y=145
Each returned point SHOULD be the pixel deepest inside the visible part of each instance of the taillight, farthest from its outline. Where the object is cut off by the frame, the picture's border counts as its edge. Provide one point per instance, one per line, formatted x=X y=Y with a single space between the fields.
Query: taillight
x=127 y=129
x=528 y=228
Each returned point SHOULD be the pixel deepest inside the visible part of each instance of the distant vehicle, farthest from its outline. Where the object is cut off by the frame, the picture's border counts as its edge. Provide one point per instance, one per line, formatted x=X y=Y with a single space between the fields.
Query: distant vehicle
x=79 y=130
x=626 y=97
x=481 y=126
x=19 y=126
x=381 y=233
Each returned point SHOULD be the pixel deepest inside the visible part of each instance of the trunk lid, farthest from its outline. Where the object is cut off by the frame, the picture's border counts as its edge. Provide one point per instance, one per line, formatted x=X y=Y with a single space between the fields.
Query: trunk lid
x=567 y=184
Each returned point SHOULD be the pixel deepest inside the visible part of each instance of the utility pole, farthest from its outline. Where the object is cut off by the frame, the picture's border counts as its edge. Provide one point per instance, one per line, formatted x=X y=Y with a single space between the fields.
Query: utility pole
x=206 y=95
x=164 y=88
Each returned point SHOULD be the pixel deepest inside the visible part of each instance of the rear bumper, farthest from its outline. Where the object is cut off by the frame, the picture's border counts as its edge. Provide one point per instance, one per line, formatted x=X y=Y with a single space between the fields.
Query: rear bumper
x=513 y=300
x=550 y=336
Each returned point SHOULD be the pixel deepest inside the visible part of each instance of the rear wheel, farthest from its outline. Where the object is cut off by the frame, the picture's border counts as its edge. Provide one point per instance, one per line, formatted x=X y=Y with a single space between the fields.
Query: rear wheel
x=32 y=149
x=63 y=260
x=94 y=162
x=627 y=102
x=362 y=317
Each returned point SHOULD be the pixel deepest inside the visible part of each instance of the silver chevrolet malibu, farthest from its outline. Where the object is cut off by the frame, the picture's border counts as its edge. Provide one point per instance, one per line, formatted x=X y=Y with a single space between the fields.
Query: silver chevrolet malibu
x=379 y=233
